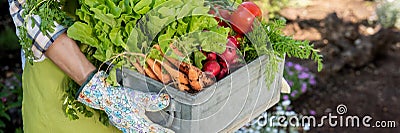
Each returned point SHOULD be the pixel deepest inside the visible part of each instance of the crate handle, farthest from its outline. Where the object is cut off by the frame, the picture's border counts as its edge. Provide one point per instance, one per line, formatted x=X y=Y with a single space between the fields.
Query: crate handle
x=285 y=87
x=171 y=117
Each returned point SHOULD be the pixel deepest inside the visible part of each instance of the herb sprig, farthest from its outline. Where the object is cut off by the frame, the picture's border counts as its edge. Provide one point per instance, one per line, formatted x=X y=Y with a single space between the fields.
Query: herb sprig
x=286 y=45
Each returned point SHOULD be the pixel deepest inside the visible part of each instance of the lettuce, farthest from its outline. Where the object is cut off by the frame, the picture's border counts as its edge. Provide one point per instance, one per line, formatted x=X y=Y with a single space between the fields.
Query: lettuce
x=116 y=26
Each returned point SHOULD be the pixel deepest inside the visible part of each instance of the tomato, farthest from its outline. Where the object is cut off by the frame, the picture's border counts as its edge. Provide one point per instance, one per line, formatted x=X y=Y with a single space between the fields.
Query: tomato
x=242 y=21
x=225 y=14
x=243 y=17
x=253 y=8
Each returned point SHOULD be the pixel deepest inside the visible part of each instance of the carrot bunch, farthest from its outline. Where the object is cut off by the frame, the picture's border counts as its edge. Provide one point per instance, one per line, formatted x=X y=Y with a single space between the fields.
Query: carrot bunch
x=184 y=76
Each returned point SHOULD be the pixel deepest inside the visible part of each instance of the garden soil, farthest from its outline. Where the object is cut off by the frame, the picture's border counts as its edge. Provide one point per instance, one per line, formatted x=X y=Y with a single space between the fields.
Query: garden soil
x=362 y=61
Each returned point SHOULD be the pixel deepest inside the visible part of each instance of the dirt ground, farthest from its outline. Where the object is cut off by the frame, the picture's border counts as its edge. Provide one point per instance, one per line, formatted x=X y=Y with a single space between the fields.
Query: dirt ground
x=362 y=61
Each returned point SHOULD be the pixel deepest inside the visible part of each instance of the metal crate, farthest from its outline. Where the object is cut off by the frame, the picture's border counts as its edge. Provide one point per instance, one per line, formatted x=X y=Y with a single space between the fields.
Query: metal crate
x=223 y=107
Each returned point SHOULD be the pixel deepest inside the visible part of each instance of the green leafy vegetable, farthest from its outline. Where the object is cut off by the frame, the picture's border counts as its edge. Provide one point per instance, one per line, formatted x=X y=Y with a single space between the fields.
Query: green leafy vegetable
x=198 y=58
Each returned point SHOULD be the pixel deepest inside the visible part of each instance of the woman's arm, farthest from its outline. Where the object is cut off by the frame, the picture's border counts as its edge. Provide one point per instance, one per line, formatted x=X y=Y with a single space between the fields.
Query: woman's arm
x=65 y=53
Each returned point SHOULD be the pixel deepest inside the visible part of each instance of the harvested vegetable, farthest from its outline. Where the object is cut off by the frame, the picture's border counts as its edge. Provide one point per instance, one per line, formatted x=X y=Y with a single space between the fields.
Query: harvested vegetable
x=156 y=67
x=150 y=73
x=212 y=67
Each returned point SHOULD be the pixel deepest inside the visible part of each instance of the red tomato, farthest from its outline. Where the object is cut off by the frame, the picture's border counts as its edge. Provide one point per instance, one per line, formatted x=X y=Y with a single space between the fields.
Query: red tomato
x=225 y=14
x=253 y=8
x=243 y=17
x=242 y=21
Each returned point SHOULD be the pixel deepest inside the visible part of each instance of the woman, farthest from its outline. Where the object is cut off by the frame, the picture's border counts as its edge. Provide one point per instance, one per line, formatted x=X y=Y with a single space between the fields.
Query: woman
x=56 y=57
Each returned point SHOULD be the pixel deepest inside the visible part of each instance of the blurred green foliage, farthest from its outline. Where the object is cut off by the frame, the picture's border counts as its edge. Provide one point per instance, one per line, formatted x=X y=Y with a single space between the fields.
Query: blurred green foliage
x=388 y=12
x=10 y=104
x=8 y=39
x=274 y=6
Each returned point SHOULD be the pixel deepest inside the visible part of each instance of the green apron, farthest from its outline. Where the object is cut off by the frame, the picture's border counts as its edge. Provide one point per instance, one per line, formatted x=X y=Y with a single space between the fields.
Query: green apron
x=42 y=102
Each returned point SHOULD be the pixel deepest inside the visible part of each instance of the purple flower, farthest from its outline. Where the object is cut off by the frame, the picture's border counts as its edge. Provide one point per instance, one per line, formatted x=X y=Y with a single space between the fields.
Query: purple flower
x=290 y=83
x=303 y=87
x=4 y=99
x=293 y=94
x=290 y=73
x=289 y=108
x=285 y=97
x=303 y=75
x=298 y=67
x=312 y=112
x=289 y=64
x=312 y=81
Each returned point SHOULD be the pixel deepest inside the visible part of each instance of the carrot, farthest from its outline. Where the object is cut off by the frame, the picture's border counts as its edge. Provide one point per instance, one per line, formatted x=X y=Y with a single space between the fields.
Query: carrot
x=150 y=73
x=183 y=66
x=156 y=67
x=176 y=74
x=182 y=87
x=138 y=67
x=198 y=79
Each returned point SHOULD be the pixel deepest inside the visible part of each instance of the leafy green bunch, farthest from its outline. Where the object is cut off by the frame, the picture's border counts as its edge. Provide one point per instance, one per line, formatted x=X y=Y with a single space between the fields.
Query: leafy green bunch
x=49 y=11
x=286 y=45
x=281 y=44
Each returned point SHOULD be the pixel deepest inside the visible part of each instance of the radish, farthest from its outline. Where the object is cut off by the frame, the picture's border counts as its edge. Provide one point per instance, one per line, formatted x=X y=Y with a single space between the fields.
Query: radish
x=222 y=73
x=232 y=41
x=229 y=55
x=223 y=64
x=212 y=67
x=211 y=56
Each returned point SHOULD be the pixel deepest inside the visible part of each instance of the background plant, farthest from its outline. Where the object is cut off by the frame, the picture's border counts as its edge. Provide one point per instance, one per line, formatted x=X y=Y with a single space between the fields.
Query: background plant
x=274 y=6
x=10 y=104
x=388 y=12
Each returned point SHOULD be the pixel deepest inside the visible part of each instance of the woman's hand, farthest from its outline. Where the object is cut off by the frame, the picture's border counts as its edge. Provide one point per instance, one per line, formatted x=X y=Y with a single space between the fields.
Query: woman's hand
x=125 y=107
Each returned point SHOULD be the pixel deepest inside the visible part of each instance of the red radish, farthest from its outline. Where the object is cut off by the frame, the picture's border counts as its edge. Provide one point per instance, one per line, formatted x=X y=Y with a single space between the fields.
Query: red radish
x=230 y=54
x=212 y=67
x=223 y=64
x=222 y=73
x=232 y=41
x=211 y=56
